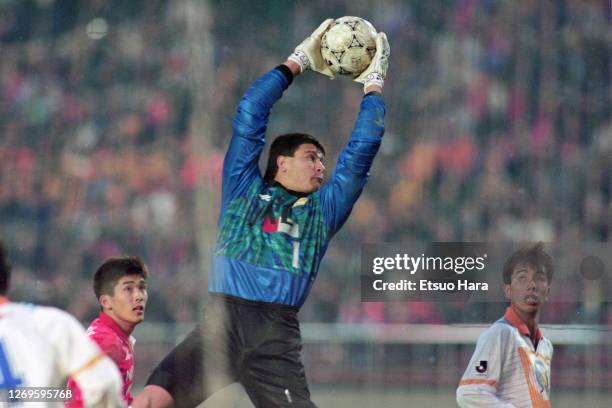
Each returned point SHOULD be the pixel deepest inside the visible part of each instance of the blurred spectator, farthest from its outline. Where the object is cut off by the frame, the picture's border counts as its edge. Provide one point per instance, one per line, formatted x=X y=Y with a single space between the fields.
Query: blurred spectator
x=498 y=129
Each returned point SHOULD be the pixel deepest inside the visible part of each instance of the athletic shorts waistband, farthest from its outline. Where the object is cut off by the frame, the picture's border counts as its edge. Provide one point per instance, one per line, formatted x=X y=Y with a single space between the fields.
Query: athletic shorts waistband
x=253 y=303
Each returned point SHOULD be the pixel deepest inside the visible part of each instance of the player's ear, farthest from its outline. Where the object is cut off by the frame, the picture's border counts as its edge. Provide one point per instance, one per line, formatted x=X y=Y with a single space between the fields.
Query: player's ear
x=281 y=163
x=105 y=302
x=507 y=291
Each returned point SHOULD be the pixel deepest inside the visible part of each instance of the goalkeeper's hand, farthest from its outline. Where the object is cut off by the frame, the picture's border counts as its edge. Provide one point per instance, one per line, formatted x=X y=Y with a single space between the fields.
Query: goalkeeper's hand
x=374 y=75
x=308 y=54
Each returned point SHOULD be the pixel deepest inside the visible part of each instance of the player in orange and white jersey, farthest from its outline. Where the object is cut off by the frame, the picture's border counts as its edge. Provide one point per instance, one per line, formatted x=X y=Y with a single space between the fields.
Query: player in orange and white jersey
x=511 y=364
x=43 y=347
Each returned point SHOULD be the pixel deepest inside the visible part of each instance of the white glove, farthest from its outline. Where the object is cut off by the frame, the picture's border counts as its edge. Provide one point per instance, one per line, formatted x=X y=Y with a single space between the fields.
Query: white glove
x=376 y=72
x=308 y=54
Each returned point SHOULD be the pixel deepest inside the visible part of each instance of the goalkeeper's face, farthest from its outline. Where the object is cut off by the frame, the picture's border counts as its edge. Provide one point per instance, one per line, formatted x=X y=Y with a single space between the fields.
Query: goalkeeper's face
x=304 y=171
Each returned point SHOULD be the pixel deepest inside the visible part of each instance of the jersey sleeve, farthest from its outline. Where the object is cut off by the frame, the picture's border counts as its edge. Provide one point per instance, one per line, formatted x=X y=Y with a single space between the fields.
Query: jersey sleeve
x=83 y=362
x=479 y=384
x=353 y=166
x=241 y=163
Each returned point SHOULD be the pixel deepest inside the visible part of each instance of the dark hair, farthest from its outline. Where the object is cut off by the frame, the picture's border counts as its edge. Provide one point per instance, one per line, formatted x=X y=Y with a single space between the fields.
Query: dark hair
x=533 y=256
x=113 y=269
x=286 y=145
x=5 y=271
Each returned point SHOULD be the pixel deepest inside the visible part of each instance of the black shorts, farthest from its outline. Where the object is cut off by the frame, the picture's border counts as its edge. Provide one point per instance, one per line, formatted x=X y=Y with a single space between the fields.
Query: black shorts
x=256 y=344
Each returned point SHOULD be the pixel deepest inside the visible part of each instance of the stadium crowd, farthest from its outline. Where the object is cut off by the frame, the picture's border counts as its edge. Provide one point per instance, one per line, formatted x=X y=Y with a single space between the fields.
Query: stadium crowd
x=498 y=129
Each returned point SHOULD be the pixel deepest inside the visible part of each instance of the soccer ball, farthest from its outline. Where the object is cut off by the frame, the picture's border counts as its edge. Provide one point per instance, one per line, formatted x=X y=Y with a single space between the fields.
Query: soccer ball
x=348 y=45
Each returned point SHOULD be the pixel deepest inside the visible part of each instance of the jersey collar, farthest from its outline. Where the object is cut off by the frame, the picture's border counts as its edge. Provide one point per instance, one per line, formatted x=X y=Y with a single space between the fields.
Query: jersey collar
x=110 y=323
x=296 y=194
x=516 y=321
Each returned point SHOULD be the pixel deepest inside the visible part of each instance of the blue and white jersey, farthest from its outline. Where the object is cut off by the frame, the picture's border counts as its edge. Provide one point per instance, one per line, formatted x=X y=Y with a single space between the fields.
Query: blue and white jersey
x=44 y=347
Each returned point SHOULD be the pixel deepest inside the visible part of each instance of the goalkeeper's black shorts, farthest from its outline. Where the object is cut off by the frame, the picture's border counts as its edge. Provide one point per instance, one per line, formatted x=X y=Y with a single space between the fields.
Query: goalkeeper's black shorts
x=256 y=344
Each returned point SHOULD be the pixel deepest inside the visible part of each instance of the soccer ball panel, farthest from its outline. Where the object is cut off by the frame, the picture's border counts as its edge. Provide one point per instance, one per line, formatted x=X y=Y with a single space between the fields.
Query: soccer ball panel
x=349 y=45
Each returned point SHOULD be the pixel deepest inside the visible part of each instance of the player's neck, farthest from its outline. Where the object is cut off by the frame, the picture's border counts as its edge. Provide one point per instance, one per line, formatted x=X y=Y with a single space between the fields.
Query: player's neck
x=531 y=320
x=125 y=326
x=290 y=191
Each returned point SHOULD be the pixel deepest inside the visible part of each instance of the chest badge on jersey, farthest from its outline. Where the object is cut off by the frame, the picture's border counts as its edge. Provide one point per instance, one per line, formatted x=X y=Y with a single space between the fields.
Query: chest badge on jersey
x=482 y=367
x=284 y=224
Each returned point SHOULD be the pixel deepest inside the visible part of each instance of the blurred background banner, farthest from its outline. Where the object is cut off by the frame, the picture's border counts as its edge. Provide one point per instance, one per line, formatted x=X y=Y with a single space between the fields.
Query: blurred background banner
x=115 y=115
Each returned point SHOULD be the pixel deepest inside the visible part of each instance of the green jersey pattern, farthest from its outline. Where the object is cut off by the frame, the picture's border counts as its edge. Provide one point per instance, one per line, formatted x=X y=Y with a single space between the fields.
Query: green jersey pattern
x=272 y=228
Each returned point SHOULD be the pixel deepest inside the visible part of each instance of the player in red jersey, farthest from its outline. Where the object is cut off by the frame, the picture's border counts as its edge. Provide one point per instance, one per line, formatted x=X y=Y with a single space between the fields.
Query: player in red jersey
x=120 y=284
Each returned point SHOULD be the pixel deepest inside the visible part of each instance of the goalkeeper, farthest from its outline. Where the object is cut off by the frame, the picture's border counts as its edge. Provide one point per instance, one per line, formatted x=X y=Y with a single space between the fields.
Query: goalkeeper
x=273 y=233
